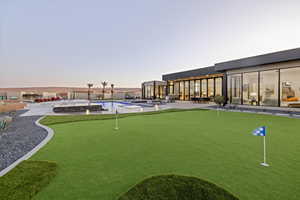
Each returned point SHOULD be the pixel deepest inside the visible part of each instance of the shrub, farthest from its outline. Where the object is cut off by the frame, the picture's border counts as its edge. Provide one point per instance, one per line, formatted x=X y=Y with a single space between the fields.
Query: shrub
x=220 y=100
x=170 y=187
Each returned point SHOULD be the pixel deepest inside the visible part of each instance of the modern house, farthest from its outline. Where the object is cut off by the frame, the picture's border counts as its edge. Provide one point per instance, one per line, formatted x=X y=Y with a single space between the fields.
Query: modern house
x=266 y=80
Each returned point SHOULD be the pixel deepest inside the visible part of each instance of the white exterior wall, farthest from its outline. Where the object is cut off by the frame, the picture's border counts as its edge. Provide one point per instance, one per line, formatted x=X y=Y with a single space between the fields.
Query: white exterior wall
x=49 y=94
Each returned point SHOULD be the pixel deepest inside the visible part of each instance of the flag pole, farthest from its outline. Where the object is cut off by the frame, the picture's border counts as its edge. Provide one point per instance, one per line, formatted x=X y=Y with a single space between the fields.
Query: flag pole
x=265 y=160
x=116 y=127
x=265 y=149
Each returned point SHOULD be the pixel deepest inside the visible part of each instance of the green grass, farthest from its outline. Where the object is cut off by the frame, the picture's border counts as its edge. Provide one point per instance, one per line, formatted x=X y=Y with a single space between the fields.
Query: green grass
x=172 y=187
x=27 y=179
x=62 y=119
x=97 y=162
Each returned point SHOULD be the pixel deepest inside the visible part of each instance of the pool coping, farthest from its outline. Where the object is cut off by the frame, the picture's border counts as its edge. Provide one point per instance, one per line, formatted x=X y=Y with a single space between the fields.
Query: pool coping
x=33 y=151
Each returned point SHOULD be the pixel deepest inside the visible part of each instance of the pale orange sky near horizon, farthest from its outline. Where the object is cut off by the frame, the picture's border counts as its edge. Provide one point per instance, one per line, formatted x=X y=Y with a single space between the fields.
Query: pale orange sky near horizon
x=69 y=43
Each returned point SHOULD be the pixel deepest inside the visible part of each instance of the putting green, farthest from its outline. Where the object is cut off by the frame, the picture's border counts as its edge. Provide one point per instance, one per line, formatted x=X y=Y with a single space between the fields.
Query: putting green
x=97 y=162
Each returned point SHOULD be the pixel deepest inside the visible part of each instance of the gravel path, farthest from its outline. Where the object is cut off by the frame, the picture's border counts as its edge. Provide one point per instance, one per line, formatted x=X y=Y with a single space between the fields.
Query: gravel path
x=19 y=138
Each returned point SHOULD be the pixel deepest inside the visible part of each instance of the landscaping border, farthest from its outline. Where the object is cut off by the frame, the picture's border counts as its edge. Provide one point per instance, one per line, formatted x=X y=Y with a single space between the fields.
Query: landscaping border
x=34 y=150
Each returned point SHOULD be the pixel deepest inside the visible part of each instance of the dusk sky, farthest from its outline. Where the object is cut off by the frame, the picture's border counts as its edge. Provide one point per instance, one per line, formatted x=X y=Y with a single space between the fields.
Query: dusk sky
x=126 y=42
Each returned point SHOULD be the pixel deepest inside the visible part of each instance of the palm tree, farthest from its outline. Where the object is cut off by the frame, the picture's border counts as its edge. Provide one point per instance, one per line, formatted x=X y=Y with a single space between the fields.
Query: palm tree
x=112 y=91
x=104 y=84
x=90 y=85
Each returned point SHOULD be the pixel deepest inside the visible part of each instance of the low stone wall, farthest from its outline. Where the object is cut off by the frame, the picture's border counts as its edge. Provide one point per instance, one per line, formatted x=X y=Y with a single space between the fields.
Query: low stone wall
x=8 y=107
x=81 y=108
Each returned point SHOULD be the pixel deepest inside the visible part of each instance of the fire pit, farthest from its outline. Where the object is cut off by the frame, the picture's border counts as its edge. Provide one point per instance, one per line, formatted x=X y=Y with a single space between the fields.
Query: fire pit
x=77 y=108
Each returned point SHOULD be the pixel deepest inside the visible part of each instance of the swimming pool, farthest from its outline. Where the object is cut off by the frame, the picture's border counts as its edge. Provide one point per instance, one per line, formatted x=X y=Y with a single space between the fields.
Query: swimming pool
x=113 y=106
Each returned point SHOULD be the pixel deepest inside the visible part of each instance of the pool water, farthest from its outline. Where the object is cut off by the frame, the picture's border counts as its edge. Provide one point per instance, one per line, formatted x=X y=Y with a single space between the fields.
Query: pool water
x=113 y=106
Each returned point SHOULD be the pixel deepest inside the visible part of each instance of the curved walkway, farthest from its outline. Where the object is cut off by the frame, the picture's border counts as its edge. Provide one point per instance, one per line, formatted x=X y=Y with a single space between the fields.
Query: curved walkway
x=21 y=140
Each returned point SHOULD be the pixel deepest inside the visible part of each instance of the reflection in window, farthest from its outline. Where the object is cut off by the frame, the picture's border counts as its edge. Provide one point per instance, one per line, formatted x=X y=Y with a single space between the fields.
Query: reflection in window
x=176 y=90
x=250 y=88
x=162 y=91
x=186 y=90
x=204 y=88
x=218 y=86
x=269 y=88
x=197 y=88
x=171 y=87
x=229 y=89
x=156 y=91
x=290 y=87
x=181 y=90
x=192 y=88
x=149 y=91
x=211 y=90
x=235 y=88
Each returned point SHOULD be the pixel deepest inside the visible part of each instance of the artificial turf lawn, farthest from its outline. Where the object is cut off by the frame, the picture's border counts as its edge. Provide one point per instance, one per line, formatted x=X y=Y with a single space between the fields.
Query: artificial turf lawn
x=27 y=179
x=172 y=187
x=62 y=119
x=98 y=162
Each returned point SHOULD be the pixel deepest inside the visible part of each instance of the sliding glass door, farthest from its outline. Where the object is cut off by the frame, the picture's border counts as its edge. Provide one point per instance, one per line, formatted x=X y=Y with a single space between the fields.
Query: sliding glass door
x=250 y=88
x=269 y=88
x=204 y=88
x=186 y=90
x=181 y=90
x=218 y=86
x=235 y=88
x=192 y=89
x=197 y=88
x=290 y=87
x=211 y=87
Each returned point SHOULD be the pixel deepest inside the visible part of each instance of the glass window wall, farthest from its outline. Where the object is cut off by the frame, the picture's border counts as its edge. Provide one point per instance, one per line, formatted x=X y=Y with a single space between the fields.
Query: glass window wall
x=250 y=88
x=185 y=90
x=149 y=91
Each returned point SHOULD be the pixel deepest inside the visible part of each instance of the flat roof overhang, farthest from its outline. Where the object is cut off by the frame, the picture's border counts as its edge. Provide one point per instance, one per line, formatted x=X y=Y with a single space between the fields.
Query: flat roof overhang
x=205 y=72
x=276 y=57
x=156 y=83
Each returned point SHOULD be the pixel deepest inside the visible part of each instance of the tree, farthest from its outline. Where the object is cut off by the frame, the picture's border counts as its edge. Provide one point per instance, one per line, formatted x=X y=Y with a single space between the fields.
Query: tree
x=104 y=84
x=112 y=91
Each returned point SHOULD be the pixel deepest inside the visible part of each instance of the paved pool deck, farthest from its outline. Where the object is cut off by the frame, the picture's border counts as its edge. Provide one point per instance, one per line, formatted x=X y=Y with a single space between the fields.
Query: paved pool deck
x=46 y=108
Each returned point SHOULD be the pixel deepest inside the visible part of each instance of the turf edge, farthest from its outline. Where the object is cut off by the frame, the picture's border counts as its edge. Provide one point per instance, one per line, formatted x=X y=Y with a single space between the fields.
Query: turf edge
x=51 y=120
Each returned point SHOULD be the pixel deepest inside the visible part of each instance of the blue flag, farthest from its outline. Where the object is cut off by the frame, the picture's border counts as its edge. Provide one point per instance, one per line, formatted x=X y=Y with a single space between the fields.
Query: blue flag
x=261 y=131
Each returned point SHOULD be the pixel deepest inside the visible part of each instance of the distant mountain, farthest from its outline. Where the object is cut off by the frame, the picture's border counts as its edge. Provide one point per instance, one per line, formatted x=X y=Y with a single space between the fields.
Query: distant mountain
x=67 y=89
